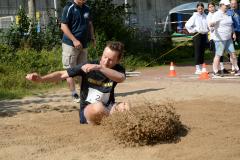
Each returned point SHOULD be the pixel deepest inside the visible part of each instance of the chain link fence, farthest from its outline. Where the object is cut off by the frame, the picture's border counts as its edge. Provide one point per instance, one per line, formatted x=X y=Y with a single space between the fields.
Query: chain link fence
x=8 y=15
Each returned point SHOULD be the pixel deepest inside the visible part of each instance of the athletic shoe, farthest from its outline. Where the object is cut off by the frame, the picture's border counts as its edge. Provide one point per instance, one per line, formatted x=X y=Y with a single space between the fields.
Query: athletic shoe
x=237 y=73
x=233 y=71
x=76 y=98
x=219 y=74
x=224 y=71
x=198 y=72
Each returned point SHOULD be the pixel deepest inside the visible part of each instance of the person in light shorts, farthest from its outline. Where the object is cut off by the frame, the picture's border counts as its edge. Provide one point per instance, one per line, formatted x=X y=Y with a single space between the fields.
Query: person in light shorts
x=224 y=31
x=211 y=9
x=225 y=45
x=72 y=56
x=76 y=24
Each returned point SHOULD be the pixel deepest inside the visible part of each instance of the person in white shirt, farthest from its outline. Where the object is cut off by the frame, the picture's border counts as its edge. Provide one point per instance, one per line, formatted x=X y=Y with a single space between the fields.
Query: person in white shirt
x=196 y=24
x=222 y=21
x=211 y=9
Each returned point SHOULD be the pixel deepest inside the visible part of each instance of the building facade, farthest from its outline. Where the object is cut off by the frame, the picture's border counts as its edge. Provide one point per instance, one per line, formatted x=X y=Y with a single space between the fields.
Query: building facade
x=147 y=12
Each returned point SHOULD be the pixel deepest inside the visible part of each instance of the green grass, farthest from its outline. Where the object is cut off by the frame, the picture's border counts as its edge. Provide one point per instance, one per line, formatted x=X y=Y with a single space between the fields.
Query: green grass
x=40 y=88
x=15 y=65
x=18 y=93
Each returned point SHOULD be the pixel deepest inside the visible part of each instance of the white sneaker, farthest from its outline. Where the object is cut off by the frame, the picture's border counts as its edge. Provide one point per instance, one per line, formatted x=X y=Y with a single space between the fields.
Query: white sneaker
x=75 y=98
x=198 y=72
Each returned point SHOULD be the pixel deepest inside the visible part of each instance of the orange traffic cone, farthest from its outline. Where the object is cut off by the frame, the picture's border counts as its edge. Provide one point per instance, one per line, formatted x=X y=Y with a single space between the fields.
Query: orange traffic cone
x=204 y=74
x=172 y=71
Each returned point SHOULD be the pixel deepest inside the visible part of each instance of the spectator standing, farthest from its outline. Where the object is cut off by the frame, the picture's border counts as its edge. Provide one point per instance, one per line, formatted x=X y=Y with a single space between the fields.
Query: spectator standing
x=211 y=9
x=194 y=25
x=222 y=21
x=76 y=24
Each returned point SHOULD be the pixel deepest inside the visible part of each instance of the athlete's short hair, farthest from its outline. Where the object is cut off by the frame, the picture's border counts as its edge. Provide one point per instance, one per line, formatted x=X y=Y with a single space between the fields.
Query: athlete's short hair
x=116 y=46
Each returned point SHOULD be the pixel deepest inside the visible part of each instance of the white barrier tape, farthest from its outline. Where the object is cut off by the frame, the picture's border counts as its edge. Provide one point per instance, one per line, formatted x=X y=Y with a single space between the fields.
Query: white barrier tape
x=170 y=22
x=204 y=70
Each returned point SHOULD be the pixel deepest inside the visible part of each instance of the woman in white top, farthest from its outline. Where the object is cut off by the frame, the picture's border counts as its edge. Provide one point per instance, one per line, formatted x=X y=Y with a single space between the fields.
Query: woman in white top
x=194 y=25
x=211 y=9
x=222 y=21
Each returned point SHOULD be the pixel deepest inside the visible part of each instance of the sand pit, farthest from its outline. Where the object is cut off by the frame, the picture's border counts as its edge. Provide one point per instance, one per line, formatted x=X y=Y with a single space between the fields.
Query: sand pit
x=144 y=125
x=47 y=126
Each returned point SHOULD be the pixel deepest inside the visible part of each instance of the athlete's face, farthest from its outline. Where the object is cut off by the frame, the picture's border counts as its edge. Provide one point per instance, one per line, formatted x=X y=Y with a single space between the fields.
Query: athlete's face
x=79 y=2
x=109 y=58
x=211 y=8
x=233 y=4
x=200 y=9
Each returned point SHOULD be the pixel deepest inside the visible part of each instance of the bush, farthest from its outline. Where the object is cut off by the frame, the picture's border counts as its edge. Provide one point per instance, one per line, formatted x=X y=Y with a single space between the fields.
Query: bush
x=109 y=19
x=14 y=66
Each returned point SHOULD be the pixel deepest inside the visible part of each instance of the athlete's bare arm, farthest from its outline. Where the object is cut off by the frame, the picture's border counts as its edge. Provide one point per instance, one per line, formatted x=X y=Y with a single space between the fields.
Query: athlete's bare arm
x=53 y=77
x=110 y=73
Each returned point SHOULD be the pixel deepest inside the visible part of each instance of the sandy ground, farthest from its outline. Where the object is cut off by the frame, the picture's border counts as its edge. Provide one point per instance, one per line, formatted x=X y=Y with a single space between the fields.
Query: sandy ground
x=47 y=126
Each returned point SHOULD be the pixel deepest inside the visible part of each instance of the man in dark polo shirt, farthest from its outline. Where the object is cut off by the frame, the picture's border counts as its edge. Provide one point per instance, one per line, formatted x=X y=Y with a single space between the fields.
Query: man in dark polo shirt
x=76 y=24
x=99 y=78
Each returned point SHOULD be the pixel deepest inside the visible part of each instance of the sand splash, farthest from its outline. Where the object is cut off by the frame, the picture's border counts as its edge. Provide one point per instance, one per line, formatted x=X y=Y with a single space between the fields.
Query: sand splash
x=145 y=125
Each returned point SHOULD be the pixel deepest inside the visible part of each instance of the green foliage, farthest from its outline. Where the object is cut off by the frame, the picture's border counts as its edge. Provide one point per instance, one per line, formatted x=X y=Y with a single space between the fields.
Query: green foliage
x=15 y=34
x=25 y=32
x=96 y=52
x=14 y=66
x=62 y=5
x=109 y=18
x=6 y=53
x=24 y=21
x=22 y=53
x=131 y=62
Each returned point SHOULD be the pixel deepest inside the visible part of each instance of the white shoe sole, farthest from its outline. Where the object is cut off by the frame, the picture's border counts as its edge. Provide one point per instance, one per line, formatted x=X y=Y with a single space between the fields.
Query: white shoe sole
x=218 y=76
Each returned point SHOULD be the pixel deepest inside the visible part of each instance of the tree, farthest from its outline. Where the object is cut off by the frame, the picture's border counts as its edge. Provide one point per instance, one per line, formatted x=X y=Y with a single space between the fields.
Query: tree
x=109 y=19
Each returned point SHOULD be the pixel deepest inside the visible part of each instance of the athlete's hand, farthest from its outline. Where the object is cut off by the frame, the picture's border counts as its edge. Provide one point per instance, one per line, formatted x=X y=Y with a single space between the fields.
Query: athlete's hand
x=77 y=44
x=34 y=77
x=234 y=37
x=90 y=67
